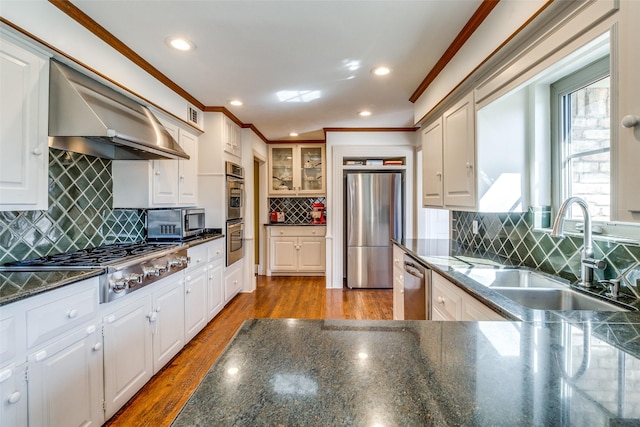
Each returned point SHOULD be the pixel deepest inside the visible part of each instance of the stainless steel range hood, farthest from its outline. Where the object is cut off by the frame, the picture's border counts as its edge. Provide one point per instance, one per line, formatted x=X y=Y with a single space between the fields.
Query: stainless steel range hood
x=90 y=118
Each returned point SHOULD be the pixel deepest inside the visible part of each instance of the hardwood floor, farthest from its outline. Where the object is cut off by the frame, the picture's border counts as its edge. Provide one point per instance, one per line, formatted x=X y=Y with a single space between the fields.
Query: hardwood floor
x=159 y=402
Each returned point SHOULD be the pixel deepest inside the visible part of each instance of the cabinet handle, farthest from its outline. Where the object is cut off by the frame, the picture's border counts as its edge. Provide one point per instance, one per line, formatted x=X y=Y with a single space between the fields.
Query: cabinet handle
x=14 y=397
x=97 y=347
x=91 y=329
x=72 y=314
x=111 y=319
x=37 y=151
x=41 y=356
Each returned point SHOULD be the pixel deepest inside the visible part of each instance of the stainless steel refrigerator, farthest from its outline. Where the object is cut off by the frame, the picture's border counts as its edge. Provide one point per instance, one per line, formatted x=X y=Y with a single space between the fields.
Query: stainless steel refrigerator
x=374 y=214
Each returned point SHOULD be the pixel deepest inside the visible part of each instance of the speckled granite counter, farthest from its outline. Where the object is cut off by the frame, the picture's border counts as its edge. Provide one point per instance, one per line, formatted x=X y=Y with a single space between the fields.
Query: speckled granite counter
x=15 y=286
x=417 y=373
x=203 y=238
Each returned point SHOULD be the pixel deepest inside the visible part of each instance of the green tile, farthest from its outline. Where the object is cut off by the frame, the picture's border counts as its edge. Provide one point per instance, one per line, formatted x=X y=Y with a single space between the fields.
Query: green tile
x=620 y=258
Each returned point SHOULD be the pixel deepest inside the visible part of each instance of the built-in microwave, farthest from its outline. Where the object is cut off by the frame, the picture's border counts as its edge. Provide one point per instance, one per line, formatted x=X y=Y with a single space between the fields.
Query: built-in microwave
x=174 y=223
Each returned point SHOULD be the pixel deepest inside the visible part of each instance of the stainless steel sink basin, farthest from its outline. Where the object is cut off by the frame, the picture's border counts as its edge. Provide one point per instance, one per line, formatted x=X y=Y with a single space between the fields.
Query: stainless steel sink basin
x=512 y=278
x=556 y=299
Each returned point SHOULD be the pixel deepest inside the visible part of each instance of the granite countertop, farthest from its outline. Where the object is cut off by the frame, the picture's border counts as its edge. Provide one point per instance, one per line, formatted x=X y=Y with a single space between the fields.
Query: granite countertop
x=203 y=238
x=407 y=373
x=18 y=285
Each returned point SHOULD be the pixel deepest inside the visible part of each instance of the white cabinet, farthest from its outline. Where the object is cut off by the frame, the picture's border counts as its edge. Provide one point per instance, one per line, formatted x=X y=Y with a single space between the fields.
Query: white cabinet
x=158 y=183
x=297 y=170
x=215 y=278
x=297 y=250
x=128 y=350
x=231 y=138
x=13 y=390
x=167 y=322
x=449 y=172
x=142 y=332
x=398 y=283
x=24 y=152
x=232 y=281
x=448 y=302
x=195 y=292
x=65 y=385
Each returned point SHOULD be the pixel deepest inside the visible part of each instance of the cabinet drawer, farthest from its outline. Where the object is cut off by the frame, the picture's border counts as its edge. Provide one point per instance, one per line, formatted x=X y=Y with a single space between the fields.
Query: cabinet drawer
x=61 y=311
x=445 y=299
x=293 y=231
x=216 y=249
x=198 y=255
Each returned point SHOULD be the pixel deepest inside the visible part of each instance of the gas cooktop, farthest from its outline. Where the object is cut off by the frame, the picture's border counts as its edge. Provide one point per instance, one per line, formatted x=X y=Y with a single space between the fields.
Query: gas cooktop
x=100 y=256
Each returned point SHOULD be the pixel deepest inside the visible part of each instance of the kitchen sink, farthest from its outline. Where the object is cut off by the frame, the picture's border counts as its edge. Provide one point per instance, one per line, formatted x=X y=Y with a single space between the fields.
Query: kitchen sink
x=512 y=278
x=556 y=299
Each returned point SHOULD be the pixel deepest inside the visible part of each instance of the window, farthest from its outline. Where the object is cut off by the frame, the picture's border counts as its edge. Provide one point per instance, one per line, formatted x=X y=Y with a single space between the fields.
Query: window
x=580 y=114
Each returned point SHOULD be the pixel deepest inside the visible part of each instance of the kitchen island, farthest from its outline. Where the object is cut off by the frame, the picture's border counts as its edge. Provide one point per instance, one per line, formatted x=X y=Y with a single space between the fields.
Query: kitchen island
x=405 y=373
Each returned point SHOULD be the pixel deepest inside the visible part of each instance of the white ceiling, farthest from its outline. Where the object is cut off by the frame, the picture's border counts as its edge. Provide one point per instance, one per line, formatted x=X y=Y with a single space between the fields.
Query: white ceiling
x=251 y=50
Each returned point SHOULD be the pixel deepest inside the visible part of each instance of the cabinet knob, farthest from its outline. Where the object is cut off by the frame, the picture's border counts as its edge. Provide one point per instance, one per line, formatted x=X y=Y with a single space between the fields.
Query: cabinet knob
x=630 y=121
x=189 y=290
x=97 y=346
x=14 y=397
x=440 y=300
x=37 y=151
x=157 y=172
x=439 y=174
x=72 y=314
x=468 y=165
x=91 y=329
x=281 y=232
x=41 y=356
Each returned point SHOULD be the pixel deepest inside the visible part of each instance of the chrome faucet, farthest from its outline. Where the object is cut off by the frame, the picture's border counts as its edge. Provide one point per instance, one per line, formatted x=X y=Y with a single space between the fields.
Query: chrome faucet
x=587 y=261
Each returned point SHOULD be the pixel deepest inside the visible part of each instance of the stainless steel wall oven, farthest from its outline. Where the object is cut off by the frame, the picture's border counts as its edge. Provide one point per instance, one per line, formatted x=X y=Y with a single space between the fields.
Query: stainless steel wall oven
x=235 y=212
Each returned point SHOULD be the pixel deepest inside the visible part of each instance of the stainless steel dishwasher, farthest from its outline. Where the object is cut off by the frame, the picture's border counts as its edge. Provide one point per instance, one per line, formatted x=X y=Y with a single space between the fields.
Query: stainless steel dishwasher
x=417 y=290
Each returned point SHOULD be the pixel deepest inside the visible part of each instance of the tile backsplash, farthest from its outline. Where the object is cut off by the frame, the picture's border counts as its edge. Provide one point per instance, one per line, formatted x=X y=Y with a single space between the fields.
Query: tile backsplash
x=512 y=235
x=79 y=215
x=296 y=209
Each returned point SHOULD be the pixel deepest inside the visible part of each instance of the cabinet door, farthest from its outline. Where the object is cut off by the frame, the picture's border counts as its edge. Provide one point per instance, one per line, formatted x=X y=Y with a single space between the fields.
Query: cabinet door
x=474 y=310
x=283 y=254
x=65 y=385
x=311 y=254
x=13 y=389
x=128 y=351
x=445 y=298
x=195 y=301
x=281 y=161
x=398 y=283
x=459 y=154
x=215 y=291
x=232 y=281
x=168 y=331
x=311 y=167
x=24 y=153
x=232 y=138
x=188 y=170
x=432 y=165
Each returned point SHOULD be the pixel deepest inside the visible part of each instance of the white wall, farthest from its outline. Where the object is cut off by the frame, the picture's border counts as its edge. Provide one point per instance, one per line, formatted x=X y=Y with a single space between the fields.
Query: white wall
x=367 y=145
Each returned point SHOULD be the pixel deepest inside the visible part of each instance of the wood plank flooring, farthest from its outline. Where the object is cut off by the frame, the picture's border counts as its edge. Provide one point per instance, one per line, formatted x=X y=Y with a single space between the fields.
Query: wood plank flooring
x=159 y=402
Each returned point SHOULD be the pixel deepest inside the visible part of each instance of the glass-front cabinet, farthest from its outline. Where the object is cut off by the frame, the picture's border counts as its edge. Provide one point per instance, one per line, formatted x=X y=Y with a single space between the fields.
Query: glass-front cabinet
x=297 y=169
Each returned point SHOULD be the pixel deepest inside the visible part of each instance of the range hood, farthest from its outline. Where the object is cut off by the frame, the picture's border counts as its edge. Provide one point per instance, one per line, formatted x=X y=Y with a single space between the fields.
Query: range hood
x=88 y=117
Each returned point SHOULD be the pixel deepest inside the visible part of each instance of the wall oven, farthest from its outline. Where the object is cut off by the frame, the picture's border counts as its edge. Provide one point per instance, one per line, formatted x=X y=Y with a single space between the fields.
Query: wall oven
x=235 y=191
x=235 y=241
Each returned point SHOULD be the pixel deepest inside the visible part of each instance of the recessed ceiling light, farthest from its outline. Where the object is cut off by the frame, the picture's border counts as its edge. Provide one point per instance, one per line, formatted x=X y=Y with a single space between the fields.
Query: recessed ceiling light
x=381 y=71
x=180 y=43
x=364 y=113
x=235 y=102
x=293 y=134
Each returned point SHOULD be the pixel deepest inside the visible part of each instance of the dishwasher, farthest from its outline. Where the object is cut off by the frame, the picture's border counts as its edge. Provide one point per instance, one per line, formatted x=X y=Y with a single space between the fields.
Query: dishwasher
x=417 y=290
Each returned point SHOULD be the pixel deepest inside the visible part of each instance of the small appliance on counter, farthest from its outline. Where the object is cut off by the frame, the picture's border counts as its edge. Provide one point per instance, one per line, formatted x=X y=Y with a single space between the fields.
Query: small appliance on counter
x=317 y=213
x=174 y=224
x=277 y=217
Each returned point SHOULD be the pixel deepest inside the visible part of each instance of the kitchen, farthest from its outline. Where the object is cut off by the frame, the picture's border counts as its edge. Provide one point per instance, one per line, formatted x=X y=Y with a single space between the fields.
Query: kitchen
x=342 y=143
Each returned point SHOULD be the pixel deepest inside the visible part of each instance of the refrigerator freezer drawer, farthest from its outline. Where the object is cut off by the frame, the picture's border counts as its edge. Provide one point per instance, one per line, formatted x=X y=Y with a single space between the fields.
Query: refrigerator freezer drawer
x=369 y=267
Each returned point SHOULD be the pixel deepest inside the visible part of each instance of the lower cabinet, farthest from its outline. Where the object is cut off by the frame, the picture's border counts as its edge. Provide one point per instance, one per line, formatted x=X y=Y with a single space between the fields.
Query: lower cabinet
x=13 y=389
x=297 y=250
x=65 y=381
x=232 y=281
x=448 y=302
x=215 y=278
x=141 y=334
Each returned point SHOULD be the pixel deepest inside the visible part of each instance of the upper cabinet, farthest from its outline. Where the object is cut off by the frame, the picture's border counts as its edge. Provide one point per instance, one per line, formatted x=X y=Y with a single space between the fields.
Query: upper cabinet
x=231 y=138
x=297 y=170
x=143 y=184
x=24 y=154
x=475 y=159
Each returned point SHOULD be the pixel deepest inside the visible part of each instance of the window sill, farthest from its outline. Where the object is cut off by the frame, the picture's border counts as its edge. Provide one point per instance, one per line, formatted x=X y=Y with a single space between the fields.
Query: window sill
x=614 y=232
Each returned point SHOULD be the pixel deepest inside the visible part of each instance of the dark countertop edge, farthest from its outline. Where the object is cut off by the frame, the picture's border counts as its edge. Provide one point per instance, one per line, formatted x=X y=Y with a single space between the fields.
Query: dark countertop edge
x=514 y=311
x=282 y=224
x=204 y=238
x=82 y=275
